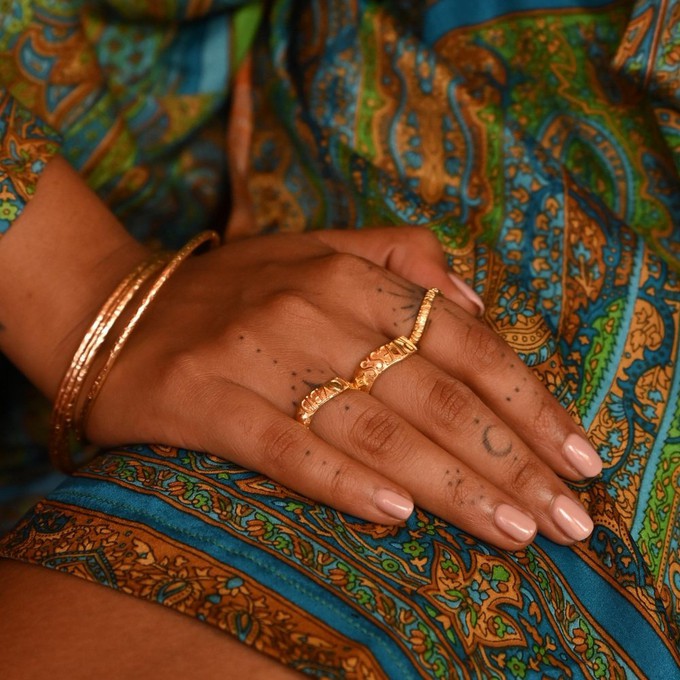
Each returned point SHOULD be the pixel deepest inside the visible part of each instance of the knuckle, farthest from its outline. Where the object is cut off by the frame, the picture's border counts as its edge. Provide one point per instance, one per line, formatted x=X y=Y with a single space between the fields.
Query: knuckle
x=524 y=475
x=279 y=445
x=290 y=304
x=546 y=424
x=343 y=267
x=342 y=483
x=422 y=238
x=449 y=401
x=181 y=368
x=480 y=348
x=458 y=493
x=377 y=430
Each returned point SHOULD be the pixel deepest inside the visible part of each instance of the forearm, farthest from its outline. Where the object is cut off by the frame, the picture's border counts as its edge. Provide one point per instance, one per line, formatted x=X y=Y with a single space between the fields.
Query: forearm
x=58 y=264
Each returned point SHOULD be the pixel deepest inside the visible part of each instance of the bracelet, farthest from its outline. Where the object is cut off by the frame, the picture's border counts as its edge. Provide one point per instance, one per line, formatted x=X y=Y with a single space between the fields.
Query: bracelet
x=67 y=426
x=63 y=413
x=168 y=271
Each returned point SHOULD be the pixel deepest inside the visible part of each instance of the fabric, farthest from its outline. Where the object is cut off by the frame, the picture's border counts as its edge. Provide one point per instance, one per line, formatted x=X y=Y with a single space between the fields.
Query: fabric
x=540 y=139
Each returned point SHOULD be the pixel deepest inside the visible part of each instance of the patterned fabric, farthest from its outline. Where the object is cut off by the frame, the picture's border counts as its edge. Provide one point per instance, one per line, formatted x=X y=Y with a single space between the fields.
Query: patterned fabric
x=540 y=139
x=136 y=106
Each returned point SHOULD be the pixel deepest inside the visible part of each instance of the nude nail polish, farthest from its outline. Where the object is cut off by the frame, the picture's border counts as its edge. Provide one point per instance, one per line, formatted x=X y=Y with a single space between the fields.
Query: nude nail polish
x=393 y=504
x=468 y=293
x=581 y=455
x=514 y=523
x=572 y=518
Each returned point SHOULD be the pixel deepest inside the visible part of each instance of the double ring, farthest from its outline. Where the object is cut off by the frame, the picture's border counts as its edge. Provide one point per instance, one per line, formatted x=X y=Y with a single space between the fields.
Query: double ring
x=376 y=363
x=423 y=315
x=379 y=360
x=318 y=397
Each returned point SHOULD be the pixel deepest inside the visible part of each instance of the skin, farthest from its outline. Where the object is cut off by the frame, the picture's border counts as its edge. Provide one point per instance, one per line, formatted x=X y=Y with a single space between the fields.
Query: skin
x=58 y=627
x=461 y=428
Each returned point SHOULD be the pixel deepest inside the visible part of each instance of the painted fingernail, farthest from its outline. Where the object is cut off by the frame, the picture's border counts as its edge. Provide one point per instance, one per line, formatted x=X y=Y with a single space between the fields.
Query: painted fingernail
x=393 y=504
x=582 y=455
x=571 y=518
x=468 y=293
x=514 y=523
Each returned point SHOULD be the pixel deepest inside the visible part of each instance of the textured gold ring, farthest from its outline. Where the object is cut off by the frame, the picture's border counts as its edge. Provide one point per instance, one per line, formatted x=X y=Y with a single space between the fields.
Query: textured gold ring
x=379 y=360
x=423 y=314
x=318 y=397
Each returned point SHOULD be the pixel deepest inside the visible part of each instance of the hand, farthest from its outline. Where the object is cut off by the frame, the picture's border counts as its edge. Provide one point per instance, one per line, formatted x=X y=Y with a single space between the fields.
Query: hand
x=240 y=335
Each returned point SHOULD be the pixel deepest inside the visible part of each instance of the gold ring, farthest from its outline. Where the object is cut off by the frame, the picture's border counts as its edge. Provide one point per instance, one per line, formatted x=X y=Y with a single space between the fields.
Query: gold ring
x=423 y=314
x=380 y=360
x=318 y=397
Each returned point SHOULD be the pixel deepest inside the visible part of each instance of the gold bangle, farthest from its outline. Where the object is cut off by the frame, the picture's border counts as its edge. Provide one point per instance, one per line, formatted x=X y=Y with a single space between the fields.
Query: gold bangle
x=63 y=413
x=66 y=427
x=168 y=271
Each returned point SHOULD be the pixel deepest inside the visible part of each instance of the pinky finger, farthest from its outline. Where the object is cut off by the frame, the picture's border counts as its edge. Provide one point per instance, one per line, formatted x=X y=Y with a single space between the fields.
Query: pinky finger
x=256 y=435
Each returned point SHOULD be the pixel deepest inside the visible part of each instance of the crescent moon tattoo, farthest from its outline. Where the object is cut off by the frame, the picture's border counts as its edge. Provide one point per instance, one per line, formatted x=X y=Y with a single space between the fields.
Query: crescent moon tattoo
x=493 y=450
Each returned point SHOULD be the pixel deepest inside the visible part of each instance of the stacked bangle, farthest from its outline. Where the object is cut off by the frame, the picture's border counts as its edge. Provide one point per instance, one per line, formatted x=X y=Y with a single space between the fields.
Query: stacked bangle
x=67 y=424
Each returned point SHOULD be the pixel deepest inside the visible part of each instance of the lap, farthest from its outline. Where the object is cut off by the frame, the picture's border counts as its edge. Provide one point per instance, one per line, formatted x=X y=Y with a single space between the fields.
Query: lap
x=60 y=627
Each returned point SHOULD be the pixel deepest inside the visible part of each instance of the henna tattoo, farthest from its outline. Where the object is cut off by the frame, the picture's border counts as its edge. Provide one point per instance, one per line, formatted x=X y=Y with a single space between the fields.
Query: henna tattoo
x=493 y=448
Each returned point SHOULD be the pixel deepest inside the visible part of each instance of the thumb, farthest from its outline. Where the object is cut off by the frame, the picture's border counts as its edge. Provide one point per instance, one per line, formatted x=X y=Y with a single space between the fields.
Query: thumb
x=411 y=252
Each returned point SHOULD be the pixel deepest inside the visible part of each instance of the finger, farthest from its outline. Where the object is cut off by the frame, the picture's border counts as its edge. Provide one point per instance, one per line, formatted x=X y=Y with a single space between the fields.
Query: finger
x=438 y=481
x=258 y=436
x=451 y=415
x=468 y=350
x=413 y=253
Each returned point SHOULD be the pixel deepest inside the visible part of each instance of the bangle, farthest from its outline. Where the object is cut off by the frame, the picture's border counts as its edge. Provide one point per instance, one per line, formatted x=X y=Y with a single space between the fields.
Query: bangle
x=67 y=425
x=63 y=413
x=168 y=271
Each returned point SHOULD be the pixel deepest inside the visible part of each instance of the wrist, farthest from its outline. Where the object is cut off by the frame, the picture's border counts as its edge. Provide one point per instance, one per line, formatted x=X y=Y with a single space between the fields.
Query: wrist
x=58 y=264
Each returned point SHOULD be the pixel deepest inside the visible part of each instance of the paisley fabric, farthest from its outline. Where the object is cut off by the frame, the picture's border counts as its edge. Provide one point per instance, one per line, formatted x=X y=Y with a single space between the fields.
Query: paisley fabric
x=540 y=139
x=136 y=106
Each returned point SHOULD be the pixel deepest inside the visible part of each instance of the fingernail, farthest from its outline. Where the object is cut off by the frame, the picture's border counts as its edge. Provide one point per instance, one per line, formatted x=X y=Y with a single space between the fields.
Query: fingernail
x=514 y=523
x=393 y=504
x=468 y=293
x=571 y=518
x=582 y=455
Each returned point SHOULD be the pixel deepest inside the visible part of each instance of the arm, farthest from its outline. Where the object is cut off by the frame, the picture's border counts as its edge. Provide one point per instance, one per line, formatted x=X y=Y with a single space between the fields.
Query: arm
x=58 y=264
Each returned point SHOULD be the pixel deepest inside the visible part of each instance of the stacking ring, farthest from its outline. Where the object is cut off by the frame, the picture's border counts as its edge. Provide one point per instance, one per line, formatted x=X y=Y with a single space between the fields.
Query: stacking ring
x=423 y=314
x=318 y=397
x=379 y=360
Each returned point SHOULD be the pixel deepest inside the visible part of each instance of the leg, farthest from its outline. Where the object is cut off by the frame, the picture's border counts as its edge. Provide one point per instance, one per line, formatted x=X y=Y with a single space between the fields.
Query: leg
x=57 y=626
